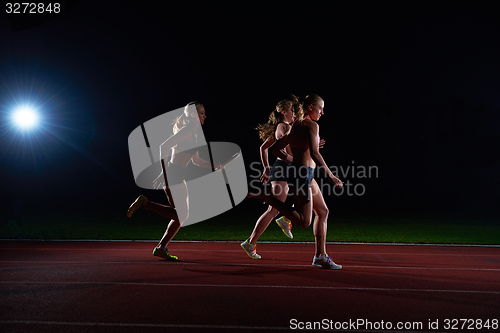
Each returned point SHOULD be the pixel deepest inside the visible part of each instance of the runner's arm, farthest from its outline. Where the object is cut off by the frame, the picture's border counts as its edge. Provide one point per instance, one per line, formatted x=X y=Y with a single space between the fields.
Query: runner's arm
x=318 y=158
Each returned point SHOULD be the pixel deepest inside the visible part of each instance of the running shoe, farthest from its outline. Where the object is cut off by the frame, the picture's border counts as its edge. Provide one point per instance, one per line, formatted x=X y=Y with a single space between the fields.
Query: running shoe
x=136 y=205
x=325 y=262
x=286 y=226
x=250 y=249
x=163 y=253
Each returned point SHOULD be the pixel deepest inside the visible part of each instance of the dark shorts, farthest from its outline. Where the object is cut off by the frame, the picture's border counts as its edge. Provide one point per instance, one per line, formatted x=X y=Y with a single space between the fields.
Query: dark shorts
x=300 y=176
x=175 y=174
x=279 y=171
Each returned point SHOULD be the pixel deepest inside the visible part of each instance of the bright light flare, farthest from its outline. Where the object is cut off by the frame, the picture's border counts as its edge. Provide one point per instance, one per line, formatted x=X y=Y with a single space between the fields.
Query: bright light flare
x=25 y=117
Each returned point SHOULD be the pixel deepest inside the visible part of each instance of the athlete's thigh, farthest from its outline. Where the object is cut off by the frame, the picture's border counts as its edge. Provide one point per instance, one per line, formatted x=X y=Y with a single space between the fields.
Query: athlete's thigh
x=169 y=196
x=181 y=193
x=303 y=205
x=280 y=190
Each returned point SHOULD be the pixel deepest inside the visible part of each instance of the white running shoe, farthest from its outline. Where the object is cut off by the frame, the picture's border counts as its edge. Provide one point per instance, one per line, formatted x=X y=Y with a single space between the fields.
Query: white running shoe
x=250 y=249
x=285 y=226
x=325 y=262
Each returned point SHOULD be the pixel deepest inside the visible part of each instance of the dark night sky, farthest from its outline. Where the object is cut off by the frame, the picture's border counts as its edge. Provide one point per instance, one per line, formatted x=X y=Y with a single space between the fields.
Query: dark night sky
x=413 y=90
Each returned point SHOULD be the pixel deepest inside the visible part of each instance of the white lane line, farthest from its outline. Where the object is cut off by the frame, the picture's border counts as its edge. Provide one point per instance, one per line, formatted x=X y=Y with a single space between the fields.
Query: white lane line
x=42 y=249
x=144 y=325
x=162 y=262
x=181 y=326
x=159 y=262
x=184 y=326
x=237 y=242
x=428 y=268
x=204 y=285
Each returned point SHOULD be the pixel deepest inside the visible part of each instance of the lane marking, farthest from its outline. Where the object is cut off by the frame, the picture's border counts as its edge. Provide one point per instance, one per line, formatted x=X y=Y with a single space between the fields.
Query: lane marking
x=237 y=242
x=66 y=323
x=181 y=326
x=203 y=285
x=162 y=262
x=41 y=249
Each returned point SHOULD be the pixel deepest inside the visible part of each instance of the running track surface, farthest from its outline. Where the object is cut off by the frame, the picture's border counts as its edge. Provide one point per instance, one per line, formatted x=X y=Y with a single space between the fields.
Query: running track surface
x=121 y=287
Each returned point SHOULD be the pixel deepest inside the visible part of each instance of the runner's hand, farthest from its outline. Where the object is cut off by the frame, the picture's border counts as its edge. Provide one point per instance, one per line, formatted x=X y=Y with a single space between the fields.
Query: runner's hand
x=158 y=182
x=265 y=176
x=337 y=182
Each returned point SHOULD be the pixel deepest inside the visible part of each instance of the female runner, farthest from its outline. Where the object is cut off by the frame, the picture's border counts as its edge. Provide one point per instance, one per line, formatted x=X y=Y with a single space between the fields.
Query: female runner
x=279 y=124
x=182 y=143
x=304 y=143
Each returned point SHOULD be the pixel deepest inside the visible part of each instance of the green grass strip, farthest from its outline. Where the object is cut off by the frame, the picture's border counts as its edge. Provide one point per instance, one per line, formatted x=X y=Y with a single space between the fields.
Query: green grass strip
x=145 y=225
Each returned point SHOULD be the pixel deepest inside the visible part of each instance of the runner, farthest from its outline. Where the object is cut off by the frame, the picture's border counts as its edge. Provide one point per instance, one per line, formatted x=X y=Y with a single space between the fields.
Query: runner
x=279 y=125
x=304 y=143
x=182 y=145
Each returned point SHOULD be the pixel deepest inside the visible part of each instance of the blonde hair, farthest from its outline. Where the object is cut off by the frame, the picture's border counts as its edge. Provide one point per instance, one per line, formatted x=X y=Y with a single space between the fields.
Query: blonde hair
x=183 y=119
x=267 y=130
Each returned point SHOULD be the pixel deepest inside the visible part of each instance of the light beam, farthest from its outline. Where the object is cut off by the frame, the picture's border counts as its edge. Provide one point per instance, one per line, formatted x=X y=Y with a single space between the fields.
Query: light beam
x=25 y=117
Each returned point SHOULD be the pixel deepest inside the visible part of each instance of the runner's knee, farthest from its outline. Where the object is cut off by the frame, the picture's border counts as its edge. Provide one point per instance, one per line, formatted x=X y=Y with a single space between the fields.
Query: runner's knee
x=303 y=222
x=323 y=213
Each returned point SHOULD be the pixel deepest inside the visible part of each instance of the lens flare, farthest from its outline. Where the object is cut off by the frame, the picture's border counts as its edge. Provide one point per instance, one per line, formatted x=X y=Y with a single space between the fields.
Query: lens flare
x=25 y=117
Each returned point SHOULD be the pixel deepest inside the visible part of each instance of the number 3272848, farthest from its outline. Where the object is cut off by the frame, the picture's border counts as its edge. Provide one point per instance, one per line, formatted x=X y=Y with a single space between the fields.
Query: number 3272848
x=470 y=324
x=32 y=8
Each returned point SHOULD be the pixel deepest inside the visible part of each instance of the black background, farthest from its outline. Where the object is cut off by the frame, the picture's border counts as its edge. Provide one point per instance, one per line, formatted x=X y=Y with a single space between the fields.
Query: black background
x=413 y=89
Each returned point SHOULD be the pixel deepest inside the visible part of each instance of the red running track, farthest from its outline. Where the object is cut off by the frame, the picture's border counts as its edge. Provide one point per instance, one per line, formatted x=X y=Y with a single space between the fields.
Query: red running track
x=121 y=287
